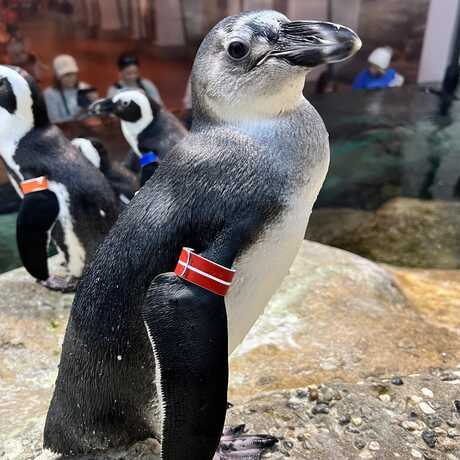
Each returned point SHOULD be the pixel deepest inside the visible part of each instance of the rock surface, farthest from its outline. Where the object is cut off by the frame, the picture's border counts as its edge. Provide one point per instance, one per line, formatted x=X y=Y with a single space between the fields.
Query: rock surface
x=405 y=231
x=371 y=420
x=337 y=318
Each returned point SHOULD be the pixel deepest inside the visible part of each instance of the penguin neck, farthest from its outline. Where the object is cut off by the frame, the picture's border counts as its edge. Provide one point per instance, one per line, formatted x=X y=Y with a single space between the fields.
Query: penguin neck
x=132 y=131
x=9 y=144
x=267 y=106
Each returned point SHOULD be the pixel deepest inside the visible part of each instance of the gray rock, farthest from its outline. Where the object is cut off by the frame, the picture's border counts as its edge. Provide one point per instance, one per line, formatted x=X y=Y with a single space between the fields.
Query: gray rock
x=336 y=318
x=404 y=232
x=430 y=438
x=377 y=434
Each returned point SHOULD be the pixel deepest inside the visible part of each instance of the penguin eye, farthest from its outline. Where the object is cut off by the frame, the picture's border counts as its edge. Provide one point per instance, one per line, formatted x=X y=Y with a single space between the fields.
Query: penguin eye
x=237 y=49
x=124 y=103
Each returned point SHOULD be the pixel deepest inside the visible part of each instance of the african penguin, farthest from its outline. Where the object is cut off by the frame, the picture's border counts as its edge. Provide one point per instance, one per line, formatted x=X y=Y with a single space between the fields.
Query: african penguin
x=65 y=199
x=238 y=191
x=124 y=183
x=150 y=130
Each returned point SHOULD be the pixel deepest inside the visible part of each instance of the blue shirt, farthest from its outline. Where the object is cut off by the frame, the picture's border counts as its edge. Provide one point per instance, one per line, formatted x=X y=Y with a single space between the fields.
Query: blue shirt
x=365 y=80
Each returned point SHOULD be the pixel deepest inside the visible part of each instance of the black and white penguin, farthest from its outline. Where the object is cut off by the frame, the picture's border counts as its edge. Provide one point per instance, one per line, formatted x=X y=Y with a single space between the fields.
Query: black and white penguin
x=65 y=199
x=150 y=130
x=123 y=181
x=238 y=190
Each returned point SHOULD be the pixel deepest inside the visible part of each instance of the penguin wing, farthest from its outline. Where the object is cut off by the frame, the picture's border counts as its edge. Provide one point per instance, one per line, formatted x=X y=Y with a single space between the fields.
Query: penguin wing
x=37 y=214
x=187 y=327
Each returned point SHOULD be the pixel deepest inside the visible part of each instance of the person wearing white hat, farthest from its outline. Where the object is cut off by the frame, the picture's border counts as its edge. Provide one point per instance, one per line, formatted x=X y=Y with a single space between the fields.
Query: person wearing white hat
x=68 y=98
x=379 y=74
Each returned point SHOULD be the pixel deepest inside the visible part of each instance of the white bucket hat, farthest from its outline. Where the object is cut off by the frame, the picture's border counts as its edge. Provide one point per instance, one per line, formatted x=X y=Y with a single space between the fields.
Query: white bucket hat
x=381 y=57
x=63 y=64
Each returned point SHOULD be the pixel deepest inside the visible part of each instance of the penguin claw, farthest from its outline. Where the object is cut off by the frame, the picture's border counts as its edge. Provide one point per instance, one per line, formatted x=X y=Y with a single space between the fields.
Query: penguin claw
x=234 y=445
x=59 y=283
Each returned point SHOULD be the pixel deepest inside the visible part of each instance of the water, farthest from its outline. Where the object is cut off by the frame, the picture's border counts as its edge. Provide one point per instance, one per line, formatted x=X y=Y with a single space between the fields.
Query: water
x=387 y=144
x=9 y=256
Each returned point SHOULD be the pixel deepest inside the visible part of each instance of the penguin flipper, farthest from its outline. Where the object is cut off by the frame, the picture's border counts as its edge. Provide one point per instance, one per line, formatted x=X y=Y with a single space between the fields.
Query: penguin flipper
x=37 y=214
x=187 y=326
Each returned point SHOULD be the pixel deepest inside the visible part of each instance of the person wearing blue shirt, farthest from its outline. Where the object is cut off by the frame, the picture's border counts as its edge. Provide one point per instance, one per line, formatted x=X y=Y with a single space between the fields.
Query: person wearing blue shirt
x=379 y=74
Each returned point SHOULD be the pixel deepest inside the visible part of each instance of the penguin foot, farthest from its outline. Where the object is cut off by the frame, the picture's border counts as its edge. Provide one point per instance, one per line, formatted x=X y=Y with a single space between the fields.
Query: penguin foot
x=59 y=283
x=234 y=444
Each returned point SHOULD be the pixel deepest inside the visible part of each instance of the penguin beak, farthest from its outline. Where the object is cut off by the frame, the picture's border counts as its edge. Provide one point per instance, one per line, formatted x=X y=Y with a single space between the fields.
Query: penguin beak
x=102 y=107
x=311 y=43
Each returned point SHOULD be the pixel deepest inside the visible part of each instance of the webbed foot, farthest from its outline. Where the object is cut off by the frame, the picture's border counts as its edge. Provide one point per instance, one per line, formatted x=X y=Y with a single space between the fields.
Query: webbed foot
x=59 y=283
x=234 y=444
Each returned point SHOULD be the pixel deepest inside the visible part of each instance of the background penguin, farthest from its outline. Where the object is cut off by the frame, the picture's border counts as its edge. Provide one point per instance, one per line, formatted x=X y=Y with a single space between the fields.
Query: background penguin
x=149 y=129
x=124 y=183
x=66 y=199
x=238 y=190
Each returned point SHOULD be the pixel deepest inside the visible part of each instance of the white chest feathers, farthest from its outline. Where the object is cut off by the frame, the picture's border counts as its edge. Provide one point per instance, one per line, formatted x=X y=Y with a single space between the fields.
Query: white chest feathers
x=74 y=249
x=261 y=269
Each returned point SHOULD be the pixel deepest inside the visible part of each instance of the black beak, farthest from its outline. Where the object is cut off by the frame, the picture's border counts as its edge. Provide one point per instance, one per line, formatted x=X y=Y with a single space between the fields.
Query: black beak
x=102 y=107
x=311 y=43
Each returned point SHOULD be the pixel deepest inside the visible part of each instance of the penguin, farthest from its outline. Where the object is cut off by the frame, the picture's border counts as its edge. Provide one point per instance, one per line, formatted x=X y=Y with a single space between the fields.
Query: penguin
x=124 y=183
x=193 y=260
x=64 y=198
x=150 y=130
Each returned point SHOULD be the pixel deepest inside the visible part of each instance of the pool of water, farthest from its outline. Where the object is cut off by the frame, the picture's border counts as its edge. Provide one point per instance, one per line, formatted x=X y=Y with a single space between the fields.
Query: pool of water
x=9 y=257
x=386 y=144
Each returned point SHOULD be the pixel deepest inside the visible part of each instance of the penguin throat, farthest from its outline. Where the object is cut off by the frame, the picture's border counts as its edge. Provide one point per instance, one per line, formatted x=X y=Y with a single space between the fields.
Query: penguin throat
x=263 y=107
x=131 y=131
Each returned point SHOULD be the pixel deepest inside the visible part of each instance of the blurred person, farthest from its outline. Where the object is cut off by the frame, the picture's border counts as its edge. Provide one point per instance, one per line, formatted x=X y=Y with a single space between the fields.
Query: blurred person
x=19 y=56
x=379 y=74
x=130 y=78
x=68 y=98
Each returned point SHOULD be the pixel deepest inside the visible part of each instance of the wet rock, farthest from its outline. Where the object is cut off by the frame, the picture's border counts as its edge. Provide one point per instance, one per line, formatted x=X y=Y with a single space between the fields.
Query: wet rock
x=430 y=438
x=376 y=435
x=410 y=426
x=374 y=445
x=426 y=408
x=302 y=394
x=404 y=231
x=344 y=420
x=433 y=421
x=339 y=308
x=427 y=392
x=313 y=394
x=357 y=421
x=360 y=443
x=457 y=405
x=334 y=308
x=320 y=409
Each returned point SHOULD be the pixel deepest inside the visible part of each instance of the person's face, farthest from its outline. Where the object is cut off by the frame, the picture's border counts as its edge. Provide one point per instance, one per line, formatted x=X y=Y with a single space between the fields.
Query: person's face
x=93 y=96
x=376 y=71
x=130 y=74
x=69 y=80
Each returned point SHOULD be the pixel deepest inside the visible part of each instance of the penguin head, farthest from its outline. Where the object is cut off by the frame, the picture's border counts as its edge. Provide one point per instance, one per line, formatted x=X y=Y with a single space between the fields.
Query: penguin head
x=22 y=106
x=135 y=110
x=94 y=151
x=254 y=64
x=131 y=106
